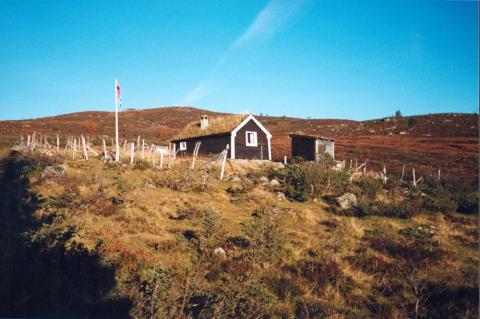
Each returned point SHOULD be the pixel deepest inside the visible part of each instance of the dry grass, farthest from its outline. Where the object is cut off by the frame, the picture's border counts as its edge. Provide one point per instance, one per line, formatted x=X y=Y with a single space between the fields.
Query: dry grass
x=145 y=223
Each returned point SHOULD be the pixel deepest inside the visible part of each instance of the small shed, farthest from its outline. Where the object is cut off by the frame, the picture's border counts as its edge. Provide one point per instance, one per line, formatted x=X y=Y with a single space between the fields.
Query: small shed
x=311 y=147
x=246 y=137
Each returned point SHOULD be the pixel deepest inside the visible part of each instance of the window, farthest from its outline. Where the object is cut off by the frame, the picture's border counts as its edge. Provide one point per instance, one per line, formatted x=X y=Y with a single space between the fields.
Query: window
x=183 y=146
x=251 y=138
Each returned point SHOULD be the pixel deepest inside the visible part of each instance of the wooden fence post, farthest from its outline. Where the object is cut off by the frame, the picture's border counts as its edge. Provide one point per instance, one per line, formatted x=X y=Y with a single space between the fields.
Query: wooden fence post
x=403 y=173
x=138 y=143
x=384 y=175
x=84 y=148
x=154 y=157
x=439 y=174
x=132 y=152
x=66 y=146
x=161 y=160
x=143 y=149
x=58 y=144
x=414 y=179
x=224 y=161
x=169 y=156
x=195 y=153
x=74 y=149
x=104 y=144
x=285 y=160
x=150 y=153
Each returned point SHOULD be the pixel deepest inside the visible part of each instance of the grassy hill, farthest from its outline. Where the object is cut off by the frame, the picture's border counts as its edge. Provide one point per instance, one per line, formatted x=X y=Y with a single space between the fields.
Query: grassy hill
x=426 y=142
x=87 y=238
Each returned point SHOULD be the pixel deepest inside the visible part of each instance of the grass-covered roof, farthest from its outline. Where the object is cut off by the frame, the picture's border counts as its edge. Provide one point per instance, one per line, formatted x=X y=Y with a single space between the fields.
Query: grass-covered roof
x=216 y=125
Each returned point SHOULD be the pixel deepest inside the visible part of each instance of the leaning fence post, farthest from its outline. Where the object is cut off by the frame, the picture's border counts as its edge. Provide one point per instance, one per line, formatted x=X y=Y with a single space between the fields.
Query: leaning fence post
x=74 y=149
x=439 y=174
x=143 y=149
x=224 y=161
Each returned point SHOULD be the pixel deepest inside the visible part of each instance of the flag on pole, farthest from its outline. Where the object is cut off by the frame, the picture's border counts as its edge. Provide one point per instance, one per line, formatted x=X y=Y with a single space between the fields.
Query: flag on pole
x=118 y=93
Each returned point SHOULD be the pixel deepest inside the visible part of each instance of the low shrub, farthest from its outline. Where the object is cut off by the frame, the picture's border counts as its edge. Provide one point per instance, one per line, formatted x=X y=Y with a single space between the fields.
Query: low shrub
x=399 y=209
x=415 y=251
x=371 y=264
x=443 y=204
x=370 y=186
x=310 y=307
x=265 y=234
x=180 y=178
x=141 y=165
x=468 y=203
x=309 y=180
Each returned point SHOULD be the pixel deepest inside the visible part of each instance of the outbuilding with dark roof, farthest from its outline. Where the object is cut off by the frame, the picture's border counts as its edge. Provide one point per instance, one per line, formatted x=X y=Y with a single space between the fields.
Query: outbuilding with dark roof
x=311 y=147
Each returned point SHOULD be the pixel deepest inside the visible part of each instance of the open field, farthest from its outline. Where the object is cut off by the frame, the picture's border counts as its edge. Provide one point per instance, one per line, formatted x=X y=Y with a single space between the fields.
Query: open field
x=426 y=142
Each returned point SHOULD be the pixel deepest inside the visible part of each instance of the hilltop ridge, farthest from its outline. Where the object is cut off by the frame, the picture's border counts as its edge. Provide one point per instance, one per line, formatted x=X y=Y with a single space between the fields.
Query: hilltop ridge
x=447 y=141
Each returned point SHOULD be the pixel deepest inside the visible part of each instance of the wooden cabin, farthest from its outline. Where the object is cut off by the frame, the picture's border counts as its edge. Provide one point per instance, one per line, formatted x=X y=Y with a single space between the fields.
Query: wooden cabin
x=311 y=147
x=246 y=137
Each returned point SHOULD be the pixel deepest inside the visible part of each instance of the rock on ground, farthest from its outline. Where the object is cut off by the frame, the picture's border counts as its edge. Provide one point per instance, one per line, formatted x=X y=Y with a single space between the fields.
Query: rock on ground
x=347 y=201
x=54 y=170
x=274 y=183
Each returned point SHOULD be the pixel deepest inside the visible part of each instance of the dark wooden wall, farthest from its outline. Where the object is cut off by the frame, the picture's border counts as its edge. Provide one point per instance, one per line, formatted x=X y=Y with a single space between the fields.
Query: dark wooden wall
x=242 y=151
x=303 y=147
x=212 y=144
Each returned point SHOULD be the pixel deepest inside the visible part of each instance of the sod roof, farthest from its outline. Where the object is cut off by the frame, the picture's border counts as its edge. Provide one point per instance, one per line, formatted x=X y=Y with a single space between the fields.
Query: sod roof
x=216 y=125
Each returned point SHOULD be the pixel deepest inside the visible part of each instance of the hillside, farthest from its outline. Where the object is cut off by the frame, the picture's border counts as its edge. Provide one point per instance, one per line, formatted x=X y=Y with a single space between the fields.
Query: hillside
x=91 y=239
x=426 y=142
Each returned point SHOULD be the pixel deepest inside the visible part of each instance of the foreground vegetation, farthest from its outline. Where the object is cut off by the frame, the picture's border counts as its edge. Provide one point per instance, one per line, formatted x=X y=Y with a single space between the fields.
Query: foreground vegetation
x=87 y=238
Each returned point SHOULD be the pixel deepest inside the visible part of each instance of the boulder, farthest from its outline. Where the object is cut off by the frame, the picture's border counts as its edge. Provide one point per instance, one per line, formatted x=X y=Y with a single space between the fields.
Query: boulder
x=236 y=179
x=235 y=189
x=347 y=201
x=54 y=170
x=281 y=196
x=356 y=176
x=220 y=252
x=274 y=183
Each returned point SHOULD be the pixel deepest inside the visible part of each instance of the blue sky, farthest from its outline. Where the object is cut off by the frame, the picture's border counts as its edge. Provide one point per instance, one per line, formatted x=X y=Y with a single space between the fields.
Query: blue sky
x=319 y=59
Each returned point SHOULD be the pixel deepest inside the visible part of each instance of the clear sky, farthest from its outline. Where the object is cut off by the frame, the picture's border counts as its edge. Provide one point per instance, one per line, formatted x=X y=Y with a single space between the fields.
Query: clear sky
x=319 y=59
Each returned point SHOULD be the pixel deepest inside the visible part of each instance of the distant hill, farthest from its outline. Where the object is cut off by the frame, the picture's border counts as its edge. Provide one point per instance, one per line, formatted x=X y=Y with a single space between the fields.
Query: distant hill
x=427 y=142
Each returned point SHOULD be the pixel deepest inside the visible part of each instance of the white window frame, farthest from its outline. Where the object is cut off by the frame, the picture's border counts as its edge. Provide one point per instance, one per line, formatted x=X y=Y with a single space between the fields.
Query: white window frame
x=255 y=139
x=182 y=146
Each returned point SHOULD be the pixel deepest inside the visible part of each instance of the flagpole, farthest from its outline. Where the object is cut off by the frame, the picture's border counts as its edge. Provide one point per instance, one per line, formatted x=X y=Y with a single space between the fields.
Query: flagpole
x=117 y=146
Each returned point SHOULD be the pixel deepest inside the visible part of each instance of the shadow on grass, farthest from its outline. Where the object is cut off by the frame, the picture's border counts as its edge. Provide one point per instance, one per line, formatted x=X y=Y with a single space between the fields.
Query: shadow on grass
x=39 y=276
